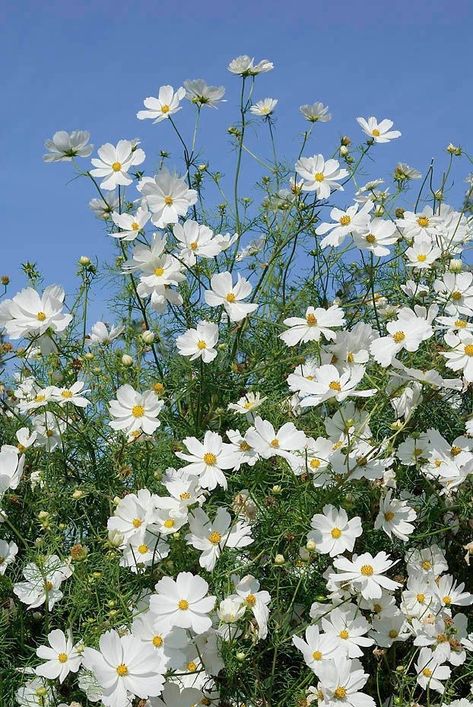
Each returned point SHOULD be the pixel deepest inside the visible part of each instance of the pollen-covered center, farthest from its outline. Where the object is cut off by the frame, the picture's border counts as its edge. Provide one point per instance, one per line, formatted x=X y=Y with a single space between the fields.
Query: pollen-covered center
x=194 y=245
x=157 y=641
x=389 y=515
x=336 y=533
x=345 y=220
x=420 y=597
x=41 y=316
x=183 y=604
x=317 y=655
x=122 y=670
x=426 y=565
x=427 y=673
x=62 y=657
x=159 y=271
x=335 y=385
x=210 y=458
x=137 y=411
x=137 y=522
x=375 y=132
x=116 y=166
x=469 y=349
x=314 y=463
x=456 y=295
x=184 y=496
x=201 y=344
x=66 y=394
x=230 y=297
x=165 y=108
x=340 y=693
x=215 y=537
x=399 y=336
x=251 y=600
x=370 y=238
x=319 y=177
x=143 y=549
x=311 y=319
x=135 y=226
x=367 y=570
x=421 y=258
x=274 y=443
x=168 y=200
x=423 y=221
x=169 y=523
x=344 y=634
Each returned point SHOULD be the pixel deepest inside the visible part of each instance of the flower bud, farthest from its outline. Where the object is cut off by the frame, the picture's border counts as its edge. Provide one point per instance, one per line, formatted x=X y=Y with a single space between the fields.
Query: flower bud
x=77 y=494
x=5 y=280
x=454 y=150
x=147 y=336
x=279 y=559
x=127 y=360
x=455 y=266
x=310 y=545
x=115 y=538
x=240 y=656
x=84 y=260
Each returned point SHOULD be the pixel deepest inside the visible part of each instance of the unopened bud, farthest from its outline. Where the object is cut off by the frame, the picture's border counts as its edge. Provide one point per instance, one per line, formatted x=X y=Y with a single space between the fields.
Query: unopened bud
x=84 y=260
x=148 y=337
x=279 y=559
x=127 y=360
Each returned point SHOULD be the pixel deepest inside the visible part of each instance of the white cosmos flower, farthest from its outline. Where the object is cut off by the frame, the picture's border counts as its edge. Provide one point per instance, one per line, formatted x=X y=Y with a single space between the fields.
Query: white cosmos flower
x=100 y=333
x=349 y=628
x=133 y=411
x=30 y=313
x=73 y=395
x=162 y=107
x=264 y=107
x=423 y=253
x=315 y=112
x=63 y=146
x=114 y=163
x=460 y=358
x=11 y=468
x=198 y=92
x=143 y=550
x=394 y=517
x=320 y=175
x=345 y=222
x=230 y=295
x=379 y=132
x=8 y=551
x=244 y=66
x=450 y=592
x=379 y=234
x=269 y=443
x=196 y=240
x=316 y=323
x=430 y=673
x=175 y=696
x=406 y=332
x=62 y=656
x=256 y=600
x=182 y=602
x=42 y=584
x=199 y=342
x=130 y=225
x=134 y=513
x=211 y=537
x=247 y=404
x=207 y=459
x=332 y=532
x=123 y=666
x=167 y=197
x=341 y=682
x=365 y=573
x=329 y=382
x=317 y=647
x=103 y=207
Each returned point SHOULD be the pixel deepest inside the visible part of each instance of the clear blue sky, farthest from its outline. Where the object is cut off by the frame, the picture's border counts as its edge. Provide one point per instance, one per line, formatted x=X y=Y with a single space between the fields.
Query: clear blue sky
x=88 y=64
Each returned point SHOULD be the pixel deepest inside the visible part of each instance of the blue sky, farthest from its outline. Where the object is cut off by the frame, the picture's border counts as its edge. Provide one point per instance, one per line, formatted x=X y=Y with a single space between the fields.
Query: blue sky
x=88 y=65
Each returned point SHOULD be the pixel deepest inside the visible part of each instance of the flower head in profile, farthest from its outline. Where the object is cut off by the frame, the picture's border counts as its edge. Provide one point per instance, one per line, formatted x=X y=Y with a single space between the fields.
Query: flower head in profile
x=244 y=65
x=114 y=162
x=315 y=112
x=198 y=92
x=166 y=104
x=264 y=108
x=64 y=146
x=379 y=132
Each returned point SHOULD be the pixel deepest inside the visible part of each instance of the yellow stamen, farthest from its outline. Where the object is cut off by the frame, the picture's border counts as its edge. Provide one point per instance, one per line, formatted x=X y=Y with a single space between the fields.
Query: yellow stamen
x=137 y=411
x=210 y=458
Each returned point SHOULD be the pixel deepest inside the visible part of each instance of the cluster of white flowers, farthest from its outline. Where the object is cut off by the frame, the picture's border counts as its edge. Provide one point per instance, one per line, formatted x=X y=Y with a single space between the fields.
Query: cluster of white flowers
x=172 y=651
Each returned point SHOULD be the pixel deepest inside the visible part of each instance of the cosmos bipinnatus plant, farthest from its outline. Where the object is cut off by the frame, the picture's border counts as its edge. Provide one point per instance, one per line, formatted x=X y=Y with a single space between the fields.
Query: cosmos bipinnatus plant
x=250 y=486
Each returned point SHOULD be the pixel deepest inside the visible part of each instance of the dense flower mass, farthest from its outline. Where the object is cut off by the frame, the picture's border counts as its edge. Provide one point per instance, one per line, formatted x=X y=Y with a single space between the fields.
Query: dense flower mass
x=253 y=488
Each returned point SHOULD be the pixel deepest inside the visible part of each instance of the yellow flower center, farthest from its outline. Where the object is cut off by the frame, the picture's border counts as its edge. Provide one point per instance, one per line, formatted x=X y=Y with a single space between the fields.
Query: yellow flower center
x=367 y=570
x=157 y=641
x=344 y=634
x=169 y=523
x=184 y=496
x=201 y=344
x=421 y=258
x=375 y=132
x=420 y=598
x=461 y=324
x=340 y=693
x=244 y=446
x=447 y=600
x=336 y=533
x=183 y=604
x=191 y=667
x=335 y=385
x=116 y=166
x=370 y=238
x=251 y=600
x=274 y=443
x=143 y=549
x=122 y=670
x=426 y=565
x=469 y=349
x=399 y=336
x=66 y=394
x=456 y=295
x=41 y=316
x=215 y=537
x=137 y=411
x=442 y=638
x=393 y=633
x=319 y=177
x=48 y=585
x=423 y=221
x=137 y=522
x=135 y=226
x=345 y=220
x=210 y=458
x=62 y=657
x=159 y=271
x=377 y=608
x=427 y=673
x=389 y=515
x=230 y=297
x=39 y=398
x=311 y=319
x=314 y=464
x=168 y=200
x=317 y=655
x=165 y=108
x=194 y=245
x=158 y=388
